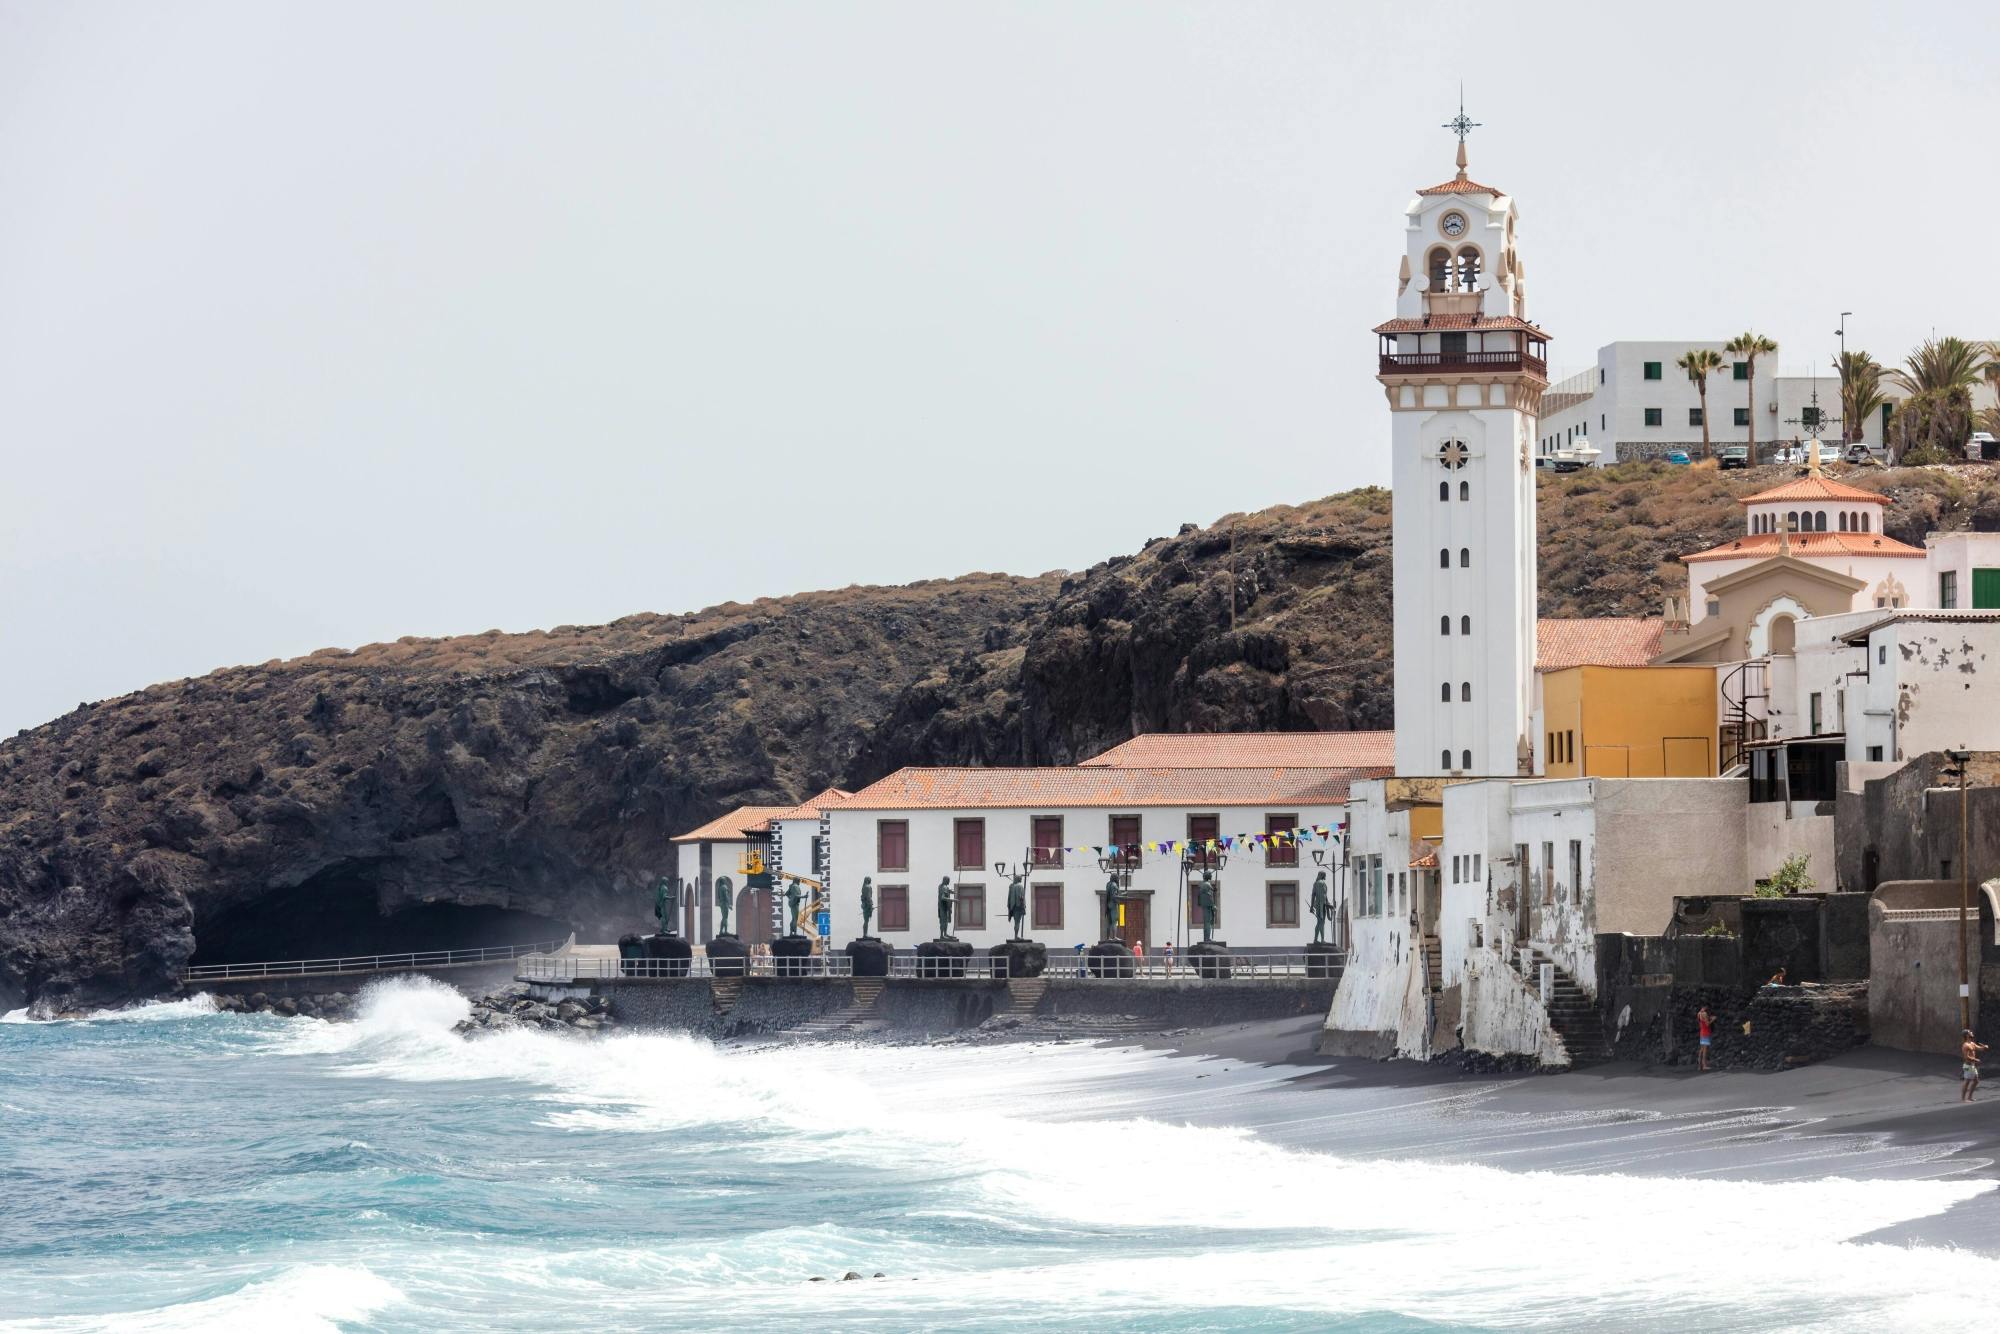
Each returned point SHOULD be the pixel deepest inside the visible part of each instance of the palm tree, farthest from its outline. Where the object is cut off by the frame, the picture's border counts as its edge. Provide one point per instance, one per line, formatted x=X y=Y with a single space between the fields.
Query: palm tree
x=1860 y=392
x=1943 y=364
x=1698 y=362
x=1751 y=346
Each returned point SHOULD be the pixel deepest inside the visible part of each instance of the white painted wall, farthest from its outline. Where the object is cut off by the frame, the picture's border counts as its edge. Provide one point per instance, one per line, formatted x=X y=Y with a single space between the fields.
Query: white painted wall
x=1960 y=553
x=1243 y=881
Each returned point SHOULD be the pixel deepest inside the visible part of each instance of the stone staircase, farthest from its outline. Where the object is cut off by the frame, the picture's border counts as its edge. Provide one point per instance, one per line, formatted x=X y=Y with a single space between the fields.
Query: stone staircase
x=1573 y=1014
x=1433 y=965
x=723 y=993
x=853 y=1018
x=1024 y=995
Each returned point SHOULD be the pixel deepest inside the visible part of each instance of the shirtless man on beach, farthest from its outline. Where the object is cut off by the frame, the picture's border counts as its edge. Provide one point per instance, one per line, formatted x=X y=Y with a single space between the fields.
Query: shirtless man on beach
x=1968 y=1066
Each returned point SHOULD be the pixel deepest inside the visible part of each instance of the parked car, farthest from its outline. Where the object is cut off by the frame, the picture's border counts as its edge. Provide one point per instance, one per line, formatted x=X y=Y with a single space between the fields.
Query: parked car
x=1788 y=454
x=1860 y=453
x=1829 y=452
x=1679 y=456
x=1982 y=446
x=1733 y=456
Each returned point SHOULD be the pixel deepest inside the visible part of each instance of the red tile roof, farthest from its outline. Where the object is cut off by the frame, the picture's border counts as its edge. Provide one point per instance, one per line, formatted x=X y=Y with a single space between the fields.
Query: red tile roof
x=1809 y=545
x=1103 y=785
x=1461 y=186
x=1814 y=488
x=813 y=807
x=732 y=827
x=1596 y=641
x=1426 y=323
x=1251 y=750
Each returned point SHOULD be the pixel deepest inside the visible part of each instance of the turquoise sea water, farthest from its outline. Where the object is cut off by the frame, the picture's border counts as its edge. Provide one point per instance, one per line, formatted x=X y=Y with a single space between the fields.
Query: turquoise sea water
x=177 y=1169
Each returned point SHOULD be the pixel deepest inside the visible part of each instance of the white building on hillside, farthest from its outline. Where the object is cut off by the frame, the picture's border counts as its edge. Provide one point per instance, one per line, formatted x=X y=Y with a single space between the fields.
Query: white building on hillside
x=975 y=827
x=1637 y=403
x=723 y=847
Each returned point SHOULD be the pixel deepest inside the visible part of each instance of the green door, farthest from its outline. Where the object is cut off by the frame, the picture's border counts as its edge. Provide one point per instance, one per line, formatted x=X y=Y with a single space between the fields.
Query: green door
x=1986 y=590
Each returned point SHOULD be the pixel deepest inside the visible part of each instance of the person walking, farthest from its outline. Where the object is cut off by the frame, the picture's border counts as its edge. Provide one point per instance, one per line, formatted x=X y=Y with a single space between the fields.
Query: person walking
x=1968 y=1066
x=1167 y=953
x=1706 y=1022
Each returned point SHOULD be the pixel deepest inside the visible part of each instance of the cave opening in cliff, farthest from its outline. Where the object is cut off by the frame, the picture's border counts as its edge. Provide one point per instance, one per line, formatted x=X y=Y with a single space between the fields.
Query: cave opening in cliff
x=337 y=913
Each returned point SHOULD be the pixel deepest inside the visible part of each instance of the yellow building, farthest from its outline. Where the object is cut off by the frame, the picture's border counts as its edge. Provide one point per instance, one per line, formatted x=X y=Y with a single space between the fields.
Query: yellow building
x=1629 y=722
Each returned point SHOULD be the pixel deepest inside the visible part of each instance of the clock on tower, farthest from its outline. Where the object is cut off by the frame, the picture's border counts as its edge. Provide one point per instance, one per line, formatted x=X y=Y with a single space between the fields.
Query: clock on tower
x=1464 y=371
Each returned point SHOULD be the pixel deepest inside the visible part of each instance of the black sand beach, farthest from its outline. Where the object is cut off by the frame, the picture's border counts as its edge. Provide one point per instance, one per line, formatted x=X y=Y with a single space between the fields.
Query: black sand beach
x=1872 y=1114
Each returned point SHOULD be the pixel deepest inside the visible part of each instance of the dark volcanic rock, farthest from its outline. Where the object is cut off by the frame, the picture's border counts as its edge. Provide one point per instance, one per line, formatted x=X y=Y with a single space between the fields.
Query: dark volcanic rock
x=438 y=792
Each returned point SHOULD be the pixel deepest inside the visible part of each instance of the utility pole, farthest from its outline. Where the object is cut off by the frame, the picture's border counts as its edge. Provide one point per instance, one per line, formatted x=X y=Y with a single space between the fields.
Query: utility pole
x=1962 y=758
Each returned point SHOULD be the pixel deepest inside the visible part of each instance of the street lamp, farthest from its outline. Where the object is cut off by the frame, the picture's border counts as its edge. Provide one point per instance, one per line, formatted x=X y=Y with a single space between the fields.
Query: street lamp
x=1962 y=758
x=1199 y=859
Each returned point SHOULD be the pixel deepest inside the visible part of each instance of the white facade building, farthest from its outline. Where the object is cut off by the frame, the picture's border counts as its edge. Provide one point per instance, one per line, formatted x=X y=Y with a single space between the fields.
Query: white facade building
x=723 y=847
x=1464 y=372
x=1635 y=403
x=976 y=827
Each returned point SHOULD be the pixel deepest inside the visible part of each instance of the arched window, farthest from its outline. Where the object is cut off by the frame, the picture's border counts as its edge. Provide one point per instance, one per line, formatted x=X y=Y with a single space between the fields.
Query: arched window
x=1444 y=760
x=1843 y=521
x=1819 y=522
x=1444 y=490
x=1866 y=519
x=1444 y=625
x=1444 y=558
x=1465 y=558
x=1465 y=692
x=1444 y=692
x=1465 y=625
x=1791 y=521
x=1465 y=490
x=1465 y=760
x=1439 y=266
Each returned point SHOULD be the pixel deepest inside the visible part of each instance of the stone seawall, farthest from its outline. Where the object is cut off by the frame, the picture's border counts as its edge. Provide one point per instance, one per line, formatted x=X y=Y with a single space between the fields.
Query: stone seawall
x=762 y=1005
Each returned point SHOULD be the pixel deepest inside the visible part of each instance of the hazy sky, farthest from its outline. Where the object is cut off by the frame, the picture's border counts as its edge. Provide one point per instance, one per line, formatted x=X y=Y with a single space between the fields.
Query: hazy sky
x=322 y=324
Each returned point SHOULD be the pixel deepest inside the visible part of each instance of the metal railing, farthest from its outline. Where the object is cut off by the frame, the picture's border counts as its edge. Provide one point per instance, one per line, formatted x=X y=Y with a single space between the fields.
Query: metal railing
x=564 y=968
x=1394 y=362
x=1183 y=965
x=364 y=963
x=989 y=966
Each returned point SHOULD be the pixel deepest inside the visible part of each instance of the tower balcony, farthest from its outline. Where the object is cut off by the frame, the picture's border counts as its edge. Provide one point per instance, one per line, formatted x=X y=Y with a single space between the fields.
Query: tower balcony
x=1512 y=359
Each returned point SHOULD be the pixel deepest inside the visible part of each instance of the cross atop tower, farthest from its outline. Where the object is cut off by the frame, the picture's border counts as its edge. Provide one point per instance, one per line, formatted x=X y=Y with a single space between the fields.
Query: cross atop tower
x=1461 y=125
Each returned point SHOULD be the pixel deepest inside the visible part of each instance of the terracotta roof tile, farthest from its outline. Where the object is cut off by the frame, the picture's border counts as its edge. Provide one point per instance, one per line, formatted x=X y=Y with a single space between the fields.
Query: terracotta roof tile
x=1427 y=323
x=1596 y=641
x=732 y=827
x=1461 y=186
x=1808 y=545
x=813 y=807
x=1814 y=488
x=1250 y=750
x=1104 y=785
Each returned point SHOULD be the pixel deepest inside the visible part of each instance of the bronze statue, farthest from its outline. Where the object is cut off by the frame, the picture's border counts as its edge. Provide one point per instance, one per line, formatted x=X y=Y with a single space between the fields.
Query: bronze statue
x=946 y=901
x=667 y=905
x=1209 y=900
x=793 y=896
x=1322 y=908
x=725 y=899
x=867 y=904
x=1111 y=908
x=1017 y=907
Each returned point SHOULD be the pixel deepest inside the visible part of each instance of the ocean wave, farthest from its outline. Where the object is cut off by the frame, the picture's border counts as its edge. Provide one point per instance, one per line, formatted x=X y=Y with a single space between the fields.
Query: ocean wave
x=307 y=1299
x=147 y=1012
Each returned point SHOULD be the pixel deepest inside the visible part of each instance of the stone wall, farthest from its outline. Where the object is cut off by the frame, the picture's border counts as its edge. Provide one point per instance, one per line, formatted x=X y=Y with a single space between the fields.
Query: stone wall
x=1187 y=1002
x=1905 y=826
x=764 y=1005
x=1787 y=1026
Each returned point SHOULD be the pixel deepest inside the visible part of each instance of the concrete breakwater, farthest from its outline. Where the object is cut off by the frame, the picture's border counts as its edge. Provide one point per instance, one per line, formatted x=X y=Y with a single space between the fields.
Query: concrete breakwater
x=905 y=1009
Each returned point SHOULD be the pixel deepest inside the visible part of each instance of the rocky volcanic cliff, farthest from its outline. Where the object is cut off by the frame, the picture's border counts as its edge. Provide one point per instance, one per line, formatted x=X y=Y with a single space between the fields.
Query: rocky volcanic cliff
x=443 y=792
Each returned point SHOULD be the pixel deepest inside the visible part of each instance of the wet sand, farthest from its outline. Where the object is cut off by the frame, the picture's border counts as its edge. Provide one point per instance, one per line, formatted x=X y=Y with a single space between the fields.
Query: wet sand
x=1871 y=1114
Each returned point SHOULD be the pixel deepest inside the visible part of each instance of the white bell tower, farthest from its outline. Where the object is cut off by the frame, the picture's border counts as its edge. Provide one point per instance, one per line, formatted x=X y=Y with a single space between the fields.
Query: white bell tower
x=1464 y=371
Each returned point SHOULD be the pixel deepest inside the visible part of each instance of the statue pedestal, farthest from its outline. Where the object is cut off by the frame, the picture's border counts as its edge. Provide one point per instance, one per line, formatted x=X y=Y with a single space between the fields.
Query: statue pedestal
x=870 y=955
x=1323 y=960
x=791 y=956
x=630 y=948
x=944 y=957
x=675 y=955
x=1110 y=958
x=728 y=956
x=1025 y=958
x=1210 y=958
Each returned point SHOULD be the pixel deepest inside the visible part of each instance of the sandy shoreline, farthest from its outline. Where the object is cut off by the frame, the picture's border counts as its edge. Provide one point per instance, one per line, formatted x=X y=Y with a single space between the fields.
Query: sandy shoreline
x=1871 y=1114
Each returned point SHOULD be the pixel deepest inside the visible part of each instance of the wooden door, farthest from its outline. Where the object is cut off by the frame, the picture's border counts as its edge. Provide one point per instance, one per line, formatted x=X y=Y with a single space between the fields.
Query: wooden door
x=1138 y=920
